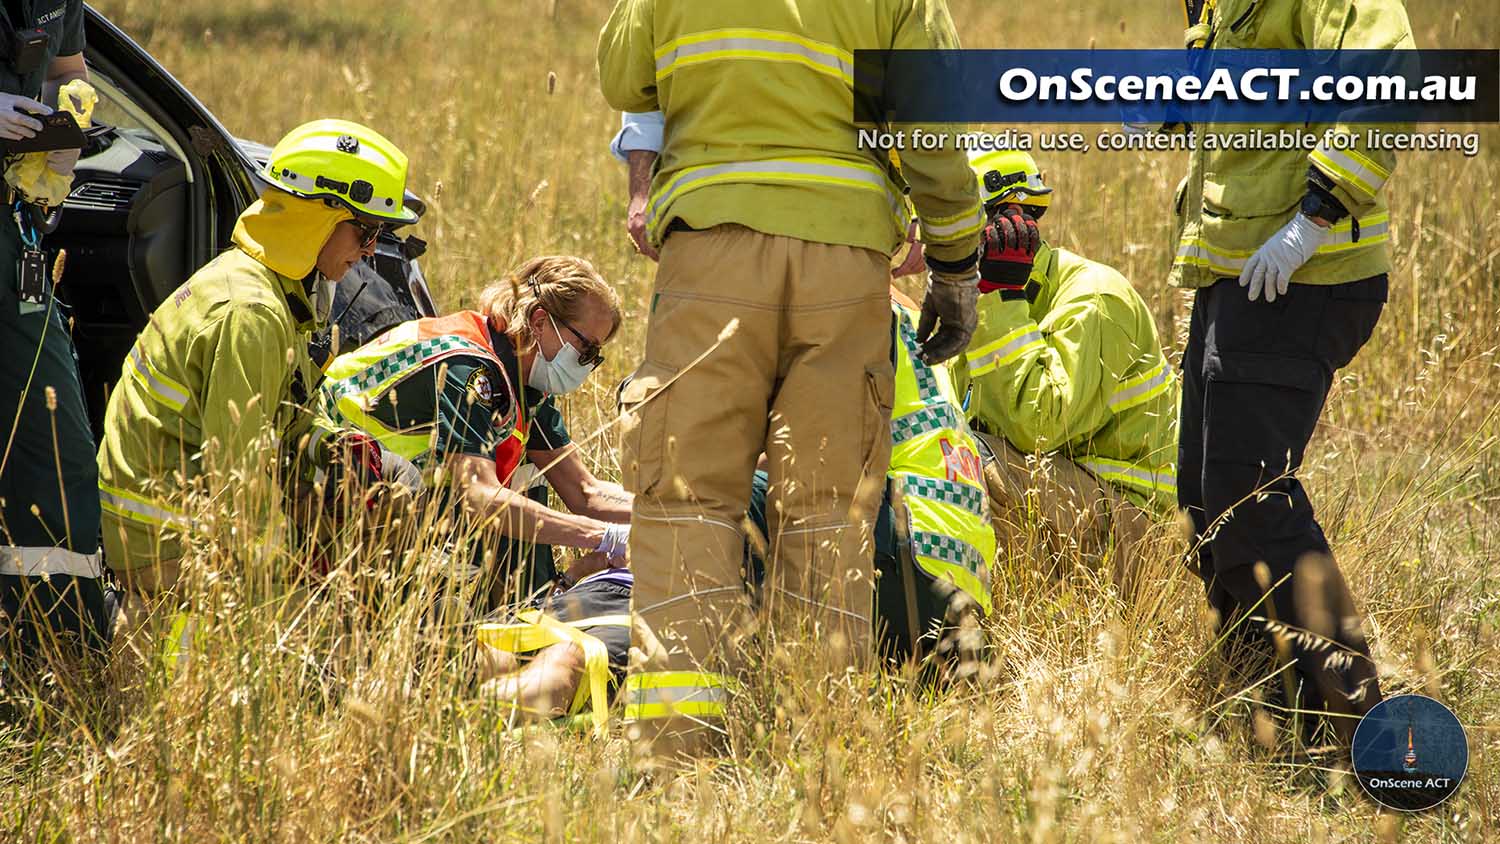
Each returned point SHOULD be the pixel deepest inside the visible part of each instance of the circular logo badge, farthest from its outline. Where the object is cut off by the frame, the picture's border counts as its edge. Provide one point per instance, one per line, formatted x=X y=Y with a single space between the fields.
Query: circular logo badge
x=1410 y=753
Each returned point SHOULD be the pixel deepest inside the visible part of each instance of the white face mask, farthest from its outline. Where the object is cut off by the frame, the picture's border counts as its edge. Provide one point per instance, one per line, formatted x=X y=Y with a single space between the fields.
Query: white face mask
x=562 y=374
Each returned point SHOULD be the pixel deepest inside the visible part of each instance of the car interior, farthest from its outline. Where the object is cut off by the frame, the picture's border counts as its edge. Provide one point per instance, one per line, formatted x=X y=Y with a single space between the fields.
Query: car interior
x=125 y=227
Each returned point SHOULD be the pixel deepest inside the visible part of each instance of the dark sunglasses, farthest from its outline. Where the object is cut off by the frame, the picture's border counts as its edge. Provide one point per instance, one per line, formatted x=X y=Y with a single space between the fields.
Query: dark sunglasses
x=368 y=232
x=591 y=354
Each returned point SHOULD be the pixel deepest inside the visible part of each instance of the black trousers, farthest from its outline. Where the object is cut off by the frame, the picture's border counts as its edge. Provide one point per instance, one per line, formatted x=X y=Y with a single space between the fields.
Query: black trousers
x=49 y=484
x=1255 y=378
x=58 y=616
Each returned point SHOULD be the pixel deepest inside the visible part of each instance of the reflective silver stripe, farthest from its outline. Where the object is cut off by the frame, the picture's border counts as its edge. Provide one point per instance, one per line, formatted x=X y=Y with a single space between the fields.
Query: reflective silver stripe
x=774 y=167
x=1131 y=475
x=1372 y=230
x=157 y=385
x=1015 y=345
x=1196 y=252
x=640 y=696
x=1155 y=382
x=740 y=46
x=1366 y=175
x=144 y=512
x=967 y=222
x=31 y=561
x=1344 y=239
x=308 y=184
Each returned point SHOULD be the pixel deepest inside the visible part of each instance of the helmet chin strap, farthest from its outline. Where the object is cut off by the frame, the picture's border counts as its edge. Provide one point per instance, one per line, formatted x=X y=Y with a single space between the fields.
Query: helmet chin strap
x=320 y=294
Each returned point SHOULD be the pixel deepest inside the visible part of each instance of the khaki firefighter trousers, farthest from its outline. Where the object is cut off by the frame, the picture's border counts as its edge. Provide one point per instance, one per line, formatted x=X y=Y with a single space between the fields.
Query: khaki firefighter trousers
x=1052 y=513
x=755 y=343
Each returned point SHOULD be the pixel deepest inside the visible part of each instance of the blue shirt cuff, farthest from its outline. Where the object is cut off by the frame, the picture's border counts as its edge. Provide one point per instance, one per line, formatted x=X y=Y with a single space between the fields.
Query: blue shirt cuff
x=638 y=131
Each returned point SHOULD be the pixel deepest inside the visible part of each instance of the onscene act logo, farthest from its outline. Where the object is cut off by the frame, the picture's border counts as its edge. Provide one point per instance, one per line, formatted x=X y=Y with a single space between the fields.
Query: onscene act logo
x=1410 y=753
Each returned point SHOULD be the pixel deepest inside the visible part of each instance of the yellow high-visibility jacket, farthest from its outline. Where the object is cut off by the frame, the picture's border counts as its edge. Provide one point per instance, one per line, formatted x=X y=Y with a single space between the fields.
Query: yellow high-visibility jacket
x=1232 y=201
x=758 y=100
x=1079 y=372
x=222 y=366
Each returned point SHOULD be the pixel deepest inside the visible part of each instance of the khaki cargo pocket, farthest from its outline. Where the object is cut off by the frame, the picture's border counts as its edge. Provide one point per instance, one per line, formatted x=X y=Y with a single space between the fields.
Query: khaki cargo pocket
x=643 y=409
x=880 y=387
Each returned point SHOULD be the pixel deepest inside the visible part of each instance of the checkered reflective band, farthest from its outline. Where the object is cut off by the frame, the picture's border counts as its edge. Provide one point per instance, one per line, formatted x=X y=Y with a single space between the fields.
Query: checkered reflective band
x=947 y=549
x=945 y=491
x=924 y=421
x=403 y=360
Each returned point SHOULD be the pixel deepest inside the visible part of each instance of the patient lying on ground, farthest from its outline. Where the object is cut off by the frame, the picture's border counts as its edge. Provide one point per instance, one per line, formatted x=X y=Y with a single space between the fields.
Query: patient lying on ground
x=554 y=658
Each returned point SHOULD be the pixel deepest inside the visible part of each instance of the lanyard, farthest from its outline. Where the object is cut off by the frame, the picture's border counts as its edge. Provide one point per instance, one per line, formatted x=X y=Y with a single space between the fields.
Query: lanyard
x=30 y=238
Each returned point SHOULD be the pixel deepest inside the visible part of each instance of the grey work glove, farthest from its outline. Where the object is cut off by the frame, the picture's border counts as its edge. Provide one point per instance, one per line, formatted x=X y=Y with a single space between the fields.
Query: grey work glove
x=952 y=307
x=62 y=161
x=398 y=471
x=1270 y=269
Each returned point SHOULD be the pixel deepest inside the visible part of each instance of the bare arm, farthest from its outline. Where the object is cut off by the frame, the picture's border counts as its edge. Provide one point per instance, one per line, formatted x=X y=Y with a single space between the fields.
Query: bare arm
x=582 y=492
x=641 y=162
x=61 y=71
x=514 y=514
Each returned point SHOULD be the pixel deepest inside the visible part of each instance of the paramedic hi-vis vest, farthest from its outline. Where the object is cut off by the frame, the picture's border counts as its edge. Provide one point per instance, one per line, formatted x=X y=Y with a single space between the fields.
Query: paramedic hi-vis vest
x=935 y=465
x=358 y=381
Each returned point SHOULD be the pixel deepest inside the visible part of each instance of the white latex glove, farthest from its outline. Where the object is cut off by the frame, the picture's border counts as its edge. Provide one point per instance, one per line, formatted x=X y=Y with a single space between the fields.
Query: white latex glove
x=16 y=125
x=616 y=541
x=1270 y=268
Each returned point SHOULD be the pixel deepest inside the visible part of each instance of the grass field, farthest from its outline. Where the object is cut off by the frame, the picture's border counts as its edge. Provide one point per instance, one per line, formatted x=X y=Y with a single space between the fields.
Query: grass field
x=1107 y=719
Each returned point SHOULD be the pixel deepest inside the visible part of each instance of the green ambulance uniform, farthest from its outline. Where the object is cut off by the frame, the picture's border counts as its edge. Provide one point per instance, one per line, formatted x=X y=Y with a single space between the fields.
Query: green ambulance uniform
x=461 y=416
x=219 y=381
x=1079 y=372
x=48 y=453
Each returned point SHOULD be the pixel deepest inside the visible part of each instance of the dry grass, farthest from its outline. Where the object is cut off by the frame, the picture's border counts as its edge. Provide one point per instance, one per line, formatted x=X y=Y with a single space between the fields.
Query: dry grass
x=1105 y=722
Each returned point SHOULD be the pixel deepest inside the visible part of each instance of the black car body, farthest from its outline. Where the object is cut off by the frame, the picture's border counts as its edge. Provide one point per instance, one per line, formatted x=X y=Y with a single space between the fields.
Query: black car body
x=155 y=196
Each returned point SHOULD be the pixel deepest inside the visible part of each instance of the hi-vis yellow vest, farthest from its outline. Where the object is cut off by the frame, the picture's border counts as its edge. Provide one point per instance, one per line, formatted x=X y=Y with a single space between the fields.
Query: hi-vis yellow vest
x=935 y=464
x=357 y=381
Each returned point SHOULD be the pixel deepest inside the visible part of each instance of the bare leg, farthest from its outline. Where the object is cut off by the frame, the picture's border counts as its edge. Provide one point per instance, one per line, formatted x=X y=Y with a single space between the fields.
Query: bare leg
x=543 y=688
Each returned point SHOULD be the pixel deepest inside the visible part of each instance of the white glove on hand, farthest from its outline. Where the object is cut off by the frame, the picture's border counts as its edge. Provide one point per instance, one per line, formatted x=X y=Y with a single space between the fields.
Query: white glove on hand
x=616 y=541
x=1271 y=267
x=15 y=124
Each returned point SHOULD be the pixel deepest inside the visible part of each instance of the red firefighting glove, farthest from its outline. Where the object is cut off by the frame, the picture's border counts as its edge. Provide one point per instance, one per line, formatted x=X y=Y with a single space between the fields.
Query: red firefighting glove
x=362 y=463
x=1007 y=250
